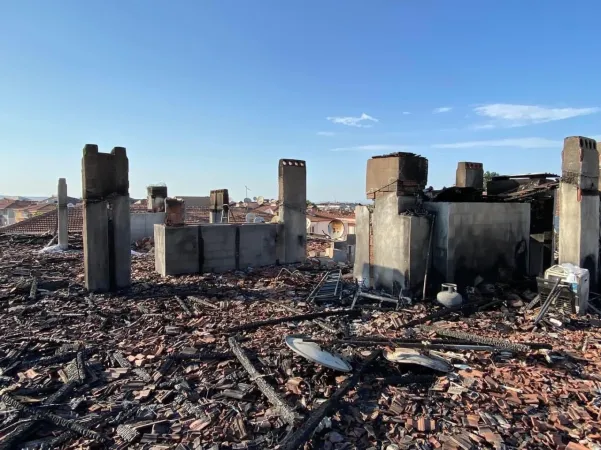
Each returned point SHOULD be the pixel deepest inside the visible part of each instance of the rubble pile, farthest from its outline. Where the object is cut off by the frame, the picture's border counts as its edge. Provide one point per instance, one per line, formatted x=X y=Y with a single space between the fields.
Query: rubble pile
x=316 y=247
x=200 y=362
x=144 y=245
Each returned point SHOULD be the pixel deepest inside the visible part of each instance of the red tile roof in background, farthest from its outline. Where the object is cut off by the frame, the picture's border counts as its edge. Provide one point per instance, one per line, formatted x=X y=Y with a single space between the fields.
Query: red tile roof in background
x=15 y=204
x=46 y=223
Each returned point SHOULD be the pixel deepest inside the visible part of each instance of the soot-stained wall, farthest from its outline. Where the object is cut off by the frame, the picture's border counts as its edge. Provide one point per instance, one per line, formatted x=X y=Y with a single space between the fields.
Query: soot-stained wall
x=472 y=239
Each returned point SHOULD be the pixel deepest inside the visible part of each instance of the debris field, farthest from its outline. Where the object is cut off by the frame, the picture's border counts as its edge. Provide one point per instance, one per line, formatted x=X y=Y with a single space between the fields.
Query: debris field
x=200 y=362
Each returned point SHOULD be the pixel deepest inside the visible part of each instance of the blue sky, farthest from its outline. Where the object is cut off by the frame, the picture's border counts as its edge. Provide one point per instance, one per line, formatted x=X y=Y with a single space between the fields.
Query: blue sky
x=209 y=94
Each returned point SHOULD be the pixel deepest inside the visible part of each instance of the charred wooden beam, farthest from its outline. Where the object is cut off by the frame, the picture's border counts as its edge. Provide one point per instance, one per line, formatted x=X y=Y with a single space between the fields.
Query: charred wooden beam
x=184 y=307
x=53 y=418
x=283 y=409
x=200 y=301
x=498 y=343
x=297 y=439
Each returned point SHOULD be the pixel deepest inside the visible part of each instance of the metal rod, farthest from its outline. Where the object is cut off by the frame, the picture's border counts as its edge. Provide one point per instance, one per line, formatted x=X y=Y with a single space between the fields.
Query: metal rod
x=301 y=317
x=424 y=345
x=378 y=297
x=428 y=257
x=320 y=323
x=317 y=287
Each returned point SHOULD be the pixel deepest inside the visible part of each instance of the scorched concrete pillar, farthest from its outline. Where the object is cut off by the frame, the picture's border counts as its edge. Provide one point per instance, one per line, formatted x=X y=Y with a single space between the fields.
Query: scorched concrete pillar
x=106 y=228
x=155 y=199
x=219 y=202
x=469 y=174
x=579 y=205
x=293 y=209
x=175 y=212
x=63 y=218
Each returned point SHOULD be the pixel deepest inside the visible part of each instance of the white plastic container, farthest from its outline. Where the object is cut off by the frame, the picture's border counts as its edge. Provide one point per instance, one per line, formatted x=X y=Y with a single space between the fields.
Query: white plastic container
x=578 y=279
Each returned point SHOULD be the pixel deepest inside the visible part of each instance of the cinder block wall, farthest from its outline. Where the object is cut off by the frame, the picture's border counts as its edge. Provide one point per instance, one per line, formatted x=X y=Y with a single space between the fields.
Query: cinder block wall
x=142 y=225
x=215 y=247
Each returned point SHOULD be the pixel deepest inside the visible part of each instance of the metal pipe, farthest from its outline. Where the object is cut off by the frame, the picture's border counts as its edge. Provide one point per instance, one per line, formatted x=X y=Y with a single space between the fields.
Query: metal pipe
x=428 y=257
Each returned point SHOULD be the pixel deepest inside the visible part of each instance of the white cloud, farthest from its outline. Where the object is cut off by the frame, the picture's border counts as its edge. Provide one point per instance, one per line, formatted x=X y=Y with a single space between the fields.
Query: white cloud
x=442 y=109
x=358 y=122
x=524 y=143
x=509 y=115
x=406 y=113
x=325 y=133
x=374 y=148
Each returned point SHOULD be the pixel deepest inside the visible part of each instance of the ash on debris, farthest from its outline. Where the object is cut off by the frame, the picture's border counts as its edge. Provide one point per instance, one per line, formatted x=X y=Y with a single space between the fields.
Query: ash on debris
x=181 y=363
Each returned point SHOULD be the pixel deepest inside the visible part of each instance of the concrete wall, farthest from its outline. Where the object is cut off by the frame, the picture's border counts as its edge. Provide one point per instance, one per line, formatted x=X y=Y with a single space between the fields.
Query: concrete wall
x=142 y=225
x=400 y=244
x=479 y=238
x=215 y=247
x=176 y=250
x=361 y=265
x=218 y=247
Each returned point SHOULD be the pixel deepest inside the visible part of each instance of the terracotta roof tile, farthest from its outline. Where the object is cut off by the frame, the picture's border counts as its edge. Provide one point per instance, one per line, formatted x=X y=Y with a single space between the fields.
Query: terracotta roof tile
x=15 y=204
x=46 y=223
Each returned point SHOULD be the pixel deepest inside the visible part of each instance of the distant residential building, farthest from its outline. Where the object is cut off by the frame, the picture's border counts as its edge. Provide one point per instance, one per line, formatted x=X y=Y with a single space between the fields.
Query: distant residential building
x=29 y=211
x=54 y=200
x=10 y=210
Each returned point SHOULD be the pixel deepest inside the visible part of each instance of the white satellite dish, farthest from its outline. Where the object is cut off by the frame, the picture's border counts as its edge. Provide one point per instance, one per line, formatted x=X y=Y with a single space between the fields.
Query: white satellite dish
x=247 y=200
x=260 y=200
x=308 y=224
x=70 y=205
x=275 y=219
x=250 y=217
x=259 y=219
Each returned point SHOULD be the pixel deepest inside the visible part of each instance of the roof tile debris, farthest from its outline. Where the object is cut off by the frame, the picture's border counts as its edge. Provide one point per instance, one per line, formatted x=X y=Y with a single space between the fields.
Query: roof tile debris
x=199 y=362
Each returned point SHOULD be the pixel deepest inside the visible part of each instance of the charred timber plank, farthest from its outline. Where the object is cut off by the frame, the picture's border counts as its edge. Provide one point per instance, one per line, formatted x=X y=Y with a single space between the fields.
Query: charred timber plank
x=53 y=418
x=300 y=317
x=498 y=343
x=49 y=360
x=68 y=435
x=283 y=409
x=297 y=439
x=184 y=307
x=19 y=433
x=200 y=301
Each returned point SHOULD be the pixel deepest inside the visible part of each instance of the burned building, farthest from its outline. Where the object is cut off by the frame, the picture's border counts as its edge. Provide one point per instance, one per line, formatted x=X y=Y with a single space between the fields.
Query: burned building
x=468 y=234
